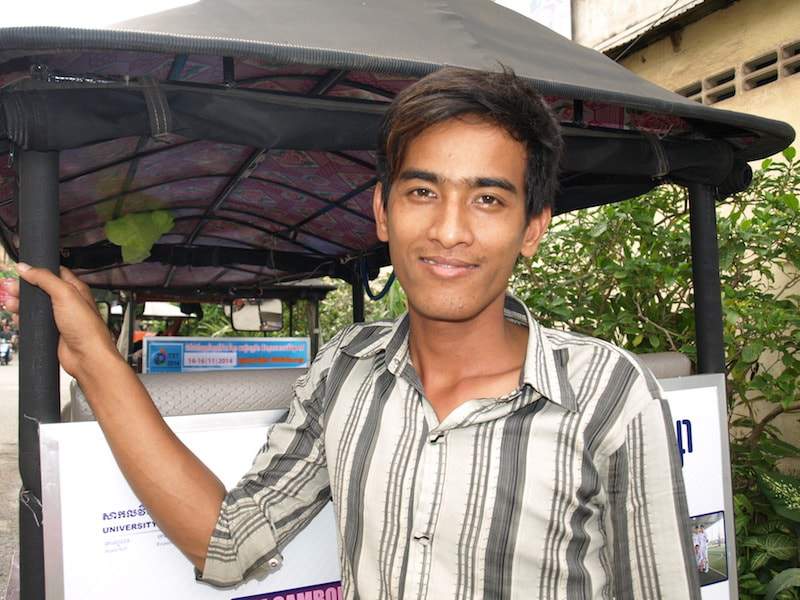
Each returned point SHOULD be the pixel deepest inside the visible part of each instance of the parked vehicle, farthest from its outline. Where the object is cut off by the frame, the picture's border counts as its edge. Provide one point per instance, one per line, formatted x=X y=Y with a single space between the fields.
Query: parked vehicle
x=258 y=144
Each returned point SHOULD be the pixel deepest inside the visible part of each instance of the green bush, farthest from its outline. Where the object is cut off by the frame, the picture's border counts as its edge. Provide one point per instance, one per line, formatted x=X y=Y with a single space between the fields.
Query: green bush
x=336 y=311
x=623 y=273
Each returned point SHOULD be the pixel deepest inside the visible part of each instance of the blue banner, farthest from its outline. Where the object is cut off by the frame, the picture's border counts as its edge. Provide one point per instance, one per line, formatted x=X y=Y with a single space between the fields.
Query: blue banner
x=179 y=355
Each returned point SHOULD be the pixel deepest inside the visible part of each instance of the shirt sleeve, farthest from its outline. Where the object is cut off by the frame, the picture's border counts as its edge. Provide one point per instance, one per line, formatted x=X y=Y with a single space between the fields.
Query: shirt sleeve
x=282 y=492
x=653 y=556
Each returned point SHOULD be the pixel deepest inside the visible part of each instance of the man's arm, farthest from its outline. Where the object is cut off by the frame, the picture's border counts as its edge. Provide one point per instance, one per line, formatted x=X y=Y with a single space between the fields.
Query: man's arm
x=652 y=555
x=181 y=494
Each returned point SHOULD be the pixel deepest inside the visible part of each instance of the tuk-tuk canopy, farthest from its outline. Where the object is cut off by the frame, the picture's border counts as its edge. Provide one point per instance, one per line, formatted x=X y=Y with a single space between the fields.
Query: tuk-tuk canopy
x=253 y=123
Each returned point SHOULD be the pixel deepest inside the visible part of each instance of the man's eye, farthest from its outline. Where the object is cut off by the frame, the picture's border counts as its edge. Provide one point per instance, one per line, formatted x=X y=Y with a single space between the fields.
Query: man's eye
x=422 y=192
x=488 y=200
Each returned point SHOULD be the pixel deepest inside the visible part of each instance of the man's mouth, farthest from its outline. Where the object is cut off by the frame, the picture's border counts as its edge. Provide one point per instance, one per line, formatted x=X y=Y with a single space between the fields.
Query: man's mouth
x=448 y=266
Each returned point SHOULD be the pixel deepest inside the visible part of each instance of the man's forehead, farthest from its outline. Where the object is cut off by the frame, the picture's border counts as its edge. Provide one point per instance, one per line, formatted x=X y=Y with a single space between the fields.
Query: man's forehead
x=465 y=151
x=463 y=124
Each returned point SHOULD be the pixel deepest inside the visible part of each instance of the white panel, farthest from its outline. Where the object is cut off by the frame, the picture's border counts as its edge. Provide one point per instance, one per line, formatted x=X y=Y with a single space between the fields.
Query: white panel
x=700 y=420
x=91 y=552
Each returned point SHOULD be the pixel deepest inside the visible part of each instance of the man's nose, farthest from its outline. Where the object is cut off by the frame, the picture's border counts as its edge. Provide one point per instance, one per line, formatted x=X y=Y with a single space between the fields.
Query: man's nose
x=451 y=225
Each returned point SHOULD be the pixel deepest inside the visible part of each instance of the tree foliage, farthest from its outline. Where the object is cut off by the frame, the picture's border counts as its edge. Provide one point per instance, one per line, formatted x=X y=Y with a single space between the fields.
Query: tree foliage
x=336 y=311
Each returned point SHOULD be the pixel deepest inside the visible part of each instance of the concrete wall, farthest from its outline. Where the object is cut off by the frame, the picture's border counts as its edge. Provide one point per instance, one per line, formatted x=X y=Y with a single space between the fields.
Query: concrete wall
x=725 y=39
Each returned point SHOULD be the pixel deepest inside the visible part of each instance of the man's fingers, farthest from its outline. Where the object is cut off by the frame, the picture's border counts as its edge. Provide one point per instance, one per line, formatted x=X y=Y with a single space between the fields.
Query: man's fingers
x=48 y=282
x=82 y=288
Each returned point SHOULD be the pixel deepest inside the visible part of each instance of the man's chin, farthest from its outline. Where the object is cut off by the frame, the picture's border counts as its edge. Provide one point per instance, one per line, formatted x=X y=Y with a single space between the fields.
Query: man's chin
x=446 y=309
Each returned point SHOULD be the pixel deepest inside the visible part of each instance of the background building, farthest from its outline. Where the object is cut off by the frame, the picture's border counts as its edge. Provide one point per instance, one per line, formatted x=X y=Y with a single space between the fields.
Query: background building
x=739 y=55
x=742 y=56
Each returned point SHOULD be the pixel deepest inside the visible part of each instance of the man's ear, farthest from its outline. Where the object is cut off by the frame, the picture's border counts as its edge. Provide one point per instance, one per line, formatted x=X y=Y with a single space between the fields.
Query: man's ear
x=534 y=232
x=379 y=210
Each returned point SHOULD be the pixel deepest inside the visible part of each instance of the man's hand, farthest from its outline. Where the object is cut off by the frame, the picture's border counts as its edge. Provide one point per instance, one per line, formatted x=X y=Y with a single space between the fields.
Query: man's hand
x=83 y=332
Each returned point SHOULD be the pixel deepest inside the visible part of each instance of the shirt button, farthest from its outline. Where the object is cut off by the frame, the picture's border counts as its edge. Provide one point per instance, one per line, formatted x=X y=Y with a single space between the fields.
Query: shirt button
x=422 y=538
x=274 y=563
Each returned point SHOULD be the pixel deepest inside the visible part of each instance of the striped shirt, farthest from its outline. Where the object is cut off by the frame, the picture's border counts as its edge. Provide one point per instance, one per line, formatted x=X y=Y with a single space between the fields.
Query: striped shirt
x=567 y=487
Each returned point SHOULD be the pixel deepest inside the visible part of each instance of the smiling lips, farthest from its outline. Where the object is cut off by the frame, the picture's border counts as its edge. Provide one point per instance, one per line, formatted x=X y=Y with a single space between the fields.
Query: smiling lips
x=448 y=267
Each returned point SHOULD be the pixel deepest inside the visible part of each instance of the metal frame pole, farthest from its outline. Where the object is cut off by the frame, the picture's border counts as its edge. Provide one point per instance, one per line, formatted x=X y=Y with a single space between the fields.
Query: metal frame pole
x=38 y=358
x=312 y=318
x=705 y=279
x=131 y=326
x=358 y=297
x=316 y=330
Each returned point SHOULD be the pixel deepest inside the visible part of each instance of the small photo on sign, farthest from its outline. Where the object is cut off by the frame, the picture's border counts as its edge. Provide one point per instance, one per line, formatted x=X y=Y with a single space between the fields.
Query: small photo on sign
x=710 y=553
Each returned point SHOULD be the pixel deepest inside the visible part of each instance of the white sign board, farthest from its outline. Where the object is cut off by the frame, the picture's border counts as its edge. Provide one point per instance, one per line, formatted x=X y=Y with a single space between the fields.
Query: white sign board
x=101 y=543
x=699 y=415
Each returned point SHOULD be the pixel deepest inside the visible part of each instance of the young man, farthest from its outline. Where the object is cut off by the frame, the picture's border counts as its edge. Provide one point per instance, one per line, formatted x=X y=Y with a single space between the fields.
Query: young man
x=469 y=452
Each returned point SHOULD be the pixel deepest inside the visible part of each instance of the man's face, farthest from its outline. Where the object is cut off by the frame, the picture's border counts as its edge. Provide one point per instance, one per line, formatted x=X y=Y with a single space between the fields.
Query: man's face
x=455 y=220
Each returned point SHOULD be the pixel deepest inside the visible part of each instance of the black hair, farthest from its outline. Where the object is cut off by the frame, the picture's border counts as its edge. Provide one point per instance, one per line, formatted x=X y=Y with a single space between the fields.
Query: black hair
x=500 y=98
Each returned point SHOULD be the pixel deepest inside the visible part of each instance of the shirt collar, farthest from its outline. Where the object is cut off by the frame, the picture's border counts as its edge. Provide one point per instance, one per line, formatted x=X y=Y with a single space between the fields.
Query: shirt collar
x=544 y=370
x=390 y=337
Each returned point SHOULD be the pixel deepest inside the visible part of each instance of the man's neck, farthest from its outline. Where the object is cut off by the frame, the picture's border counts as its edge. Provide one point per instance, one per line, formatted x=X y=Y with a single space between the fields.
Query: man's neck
x=457 y=361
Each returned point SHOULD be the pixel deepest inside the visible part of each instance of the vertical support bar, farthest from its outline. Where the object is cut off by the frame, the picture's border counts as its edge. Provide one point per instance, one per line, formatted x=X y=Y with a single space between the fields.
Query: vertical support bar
x=312 y=318
x=38 y=360
x=358 y=297
x=291 y=318
x=131 y=326
x=706 y=282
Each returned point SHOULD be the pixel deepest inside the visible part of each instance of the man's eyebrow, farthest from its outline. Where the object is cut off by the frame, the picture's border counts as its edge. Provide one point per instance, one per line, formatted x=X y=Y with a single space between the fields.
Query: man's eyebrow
x=473 y=182
x=420 y=174
x=498 y=182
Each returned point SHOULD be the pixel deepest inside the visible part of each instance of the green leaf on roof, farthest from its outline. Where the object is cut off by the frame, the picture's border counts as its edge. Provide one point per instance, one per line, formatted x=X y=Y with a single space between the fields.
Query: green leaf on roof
x=136 y=233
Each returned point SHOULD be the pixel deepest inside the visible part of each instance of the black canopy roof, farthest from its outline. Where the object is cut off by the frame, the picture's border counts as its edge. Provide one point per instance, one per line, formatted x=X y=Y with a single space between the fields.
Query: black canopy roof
x=253 y=122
